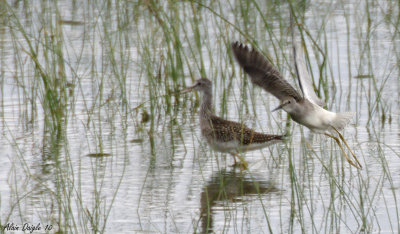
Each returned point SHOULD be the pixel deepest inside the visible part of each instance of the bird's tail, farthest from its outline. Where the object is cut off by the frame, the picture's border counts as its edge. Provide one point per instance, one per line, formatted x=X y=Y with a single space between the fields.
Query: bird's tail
x=342 y=119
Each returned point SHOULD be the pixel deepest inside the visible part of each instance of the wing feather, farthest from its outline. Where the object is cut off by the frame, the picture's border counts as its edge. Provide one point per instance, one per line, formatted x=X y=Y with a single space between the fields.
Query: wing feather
x=225 y=130
x=304 y=78
x=263 y=73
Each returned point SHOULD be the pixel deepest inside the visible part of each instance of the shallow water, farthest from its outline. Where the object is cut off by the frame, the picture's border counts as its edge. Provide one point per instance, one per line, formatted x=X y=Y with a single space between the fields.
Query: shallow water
x=126 y=154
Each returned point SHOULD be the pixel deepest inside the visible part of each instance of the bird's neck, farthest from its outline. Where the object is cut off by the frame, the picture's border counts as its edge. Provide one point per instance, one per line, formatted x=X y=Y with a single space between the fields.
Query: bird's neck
x=300 y=109
x=206 y=105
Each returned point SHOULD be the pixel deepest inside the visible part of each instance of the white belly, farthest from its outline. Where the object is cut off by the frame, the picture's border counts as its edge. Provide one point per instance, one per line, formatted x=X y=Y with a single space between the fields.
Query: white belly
x=235 y=147
x=318 y=120
x=225 y=147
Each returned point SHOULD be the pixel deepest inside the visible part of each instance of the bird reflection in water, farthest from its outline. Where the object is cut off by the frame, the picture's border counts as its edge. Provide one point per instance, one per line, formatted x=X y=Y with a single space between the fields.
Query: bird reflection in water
x=227 y=187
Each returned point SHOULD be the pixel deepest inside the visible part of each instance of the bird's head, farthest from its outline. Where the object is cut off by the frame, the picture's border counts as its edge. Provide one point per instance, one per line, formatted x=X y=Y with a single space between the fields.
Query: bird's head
x=202 y=84
x=288 y=104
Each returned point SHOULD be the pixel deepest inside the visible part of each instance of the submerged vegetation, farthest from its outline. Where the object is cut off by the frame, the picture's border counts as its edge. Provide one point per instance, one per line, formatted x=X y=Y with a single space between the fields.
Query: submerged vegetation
x=97 y=138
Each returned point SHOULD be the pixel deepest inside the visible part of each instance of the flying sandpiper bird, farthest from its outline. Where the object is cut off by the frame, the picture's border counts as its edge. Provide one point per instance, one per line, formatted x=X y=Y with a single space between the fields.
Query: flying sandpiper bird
x=306 y=109
x=224 y=135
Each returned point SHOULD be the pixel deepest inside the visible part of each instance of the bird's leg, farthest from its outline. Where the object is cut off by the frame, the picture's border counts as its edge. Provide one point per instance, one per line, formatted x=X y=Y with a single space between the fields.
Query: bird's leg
x=341 y=147
x=243 y=164
x=234 y=158
x=348 y=147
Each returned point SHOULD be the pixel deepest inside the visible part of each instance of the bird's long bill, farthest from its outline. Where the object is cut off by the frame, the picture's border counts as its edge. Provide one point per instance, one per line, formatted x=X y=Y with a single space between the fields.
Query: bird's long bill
x=278 y=108
x=188 y=89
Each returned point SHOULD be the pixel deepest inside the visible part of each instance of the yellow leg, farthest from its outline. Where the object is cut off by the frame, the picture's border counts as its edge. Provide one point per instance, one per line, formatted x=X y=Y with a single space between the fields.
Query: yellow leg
x=234 y=158
x=243 y=164
x=348 y=147
x=345 y=155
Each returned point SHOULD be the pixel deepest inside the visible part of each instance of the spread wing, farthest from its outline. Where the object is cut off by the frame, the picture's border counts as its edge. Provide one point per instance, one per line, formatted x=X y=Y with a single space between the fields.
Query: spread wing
x=263 y=73
x=304 y=78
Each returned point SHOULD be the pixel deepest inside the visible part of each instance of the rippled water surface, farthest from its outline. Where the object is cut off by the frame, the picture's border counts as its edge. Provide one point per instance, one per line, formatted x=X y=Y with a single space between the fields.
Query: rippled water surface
x=97 y=138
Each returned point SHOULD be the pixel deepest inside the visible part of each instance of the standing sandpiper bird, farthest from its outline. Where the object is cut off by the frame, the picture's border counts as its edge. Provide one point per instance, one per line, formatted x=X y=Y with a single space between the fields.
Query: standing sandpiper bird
x=306 y=109
x=224 y=135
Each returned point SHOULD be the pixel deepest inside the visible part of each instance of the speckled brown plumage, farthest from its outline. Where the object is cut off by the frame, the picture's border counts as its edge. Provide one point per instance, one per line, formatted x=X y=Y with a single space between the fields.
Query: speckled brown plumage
x=224 y=135
x=224 y=131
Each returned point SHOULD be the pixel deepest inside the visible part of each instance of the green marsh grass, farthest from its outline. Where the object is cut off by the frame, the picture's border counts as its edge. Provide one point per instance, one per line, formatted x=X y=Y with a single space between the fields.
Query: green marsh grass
x=103 y=79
